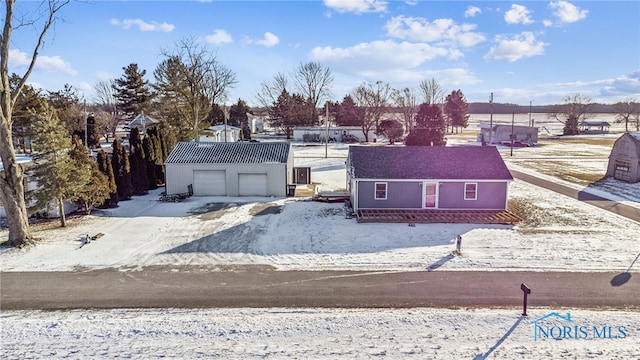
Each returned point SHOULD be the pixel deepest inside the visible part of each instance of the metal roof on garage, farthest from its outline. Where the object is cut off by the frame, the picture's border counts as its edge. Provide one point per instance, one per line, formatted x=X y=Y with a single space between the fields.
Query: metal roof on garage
x=229 y=153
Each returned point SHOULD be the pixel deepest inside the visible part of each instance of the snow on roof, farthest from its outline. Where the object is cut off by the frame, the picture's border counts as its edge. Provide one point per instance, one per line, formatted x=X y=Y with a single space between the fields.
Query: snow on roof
x=229 y=153
x=222 y=128
x=143 y=120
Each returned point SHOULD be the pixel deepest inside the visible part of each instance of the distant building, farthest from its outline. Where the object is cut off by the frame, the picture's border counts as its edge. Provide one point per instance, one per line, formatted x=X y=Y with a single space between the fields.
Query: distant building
x=256 y=123
x=594 y=127
x=143 y=122
x=501 y=133
x=348 y=134
x=221 y=133
x=624 y=160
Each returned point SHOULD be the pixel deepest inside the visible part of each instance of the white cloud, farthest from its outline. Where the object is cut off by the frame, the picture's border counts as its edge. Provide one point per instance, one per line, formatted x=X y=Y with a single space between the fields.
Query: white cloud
x=269 y=40
x=379 y=56
x=142 y=25
x=518 y=14
x=519 y=46
x=50 y=64
x=357 y=6
x=18 y=58
x=219 y=36
x=444 y=31
x=472 y=11
x=566 y=12
x=104 y=76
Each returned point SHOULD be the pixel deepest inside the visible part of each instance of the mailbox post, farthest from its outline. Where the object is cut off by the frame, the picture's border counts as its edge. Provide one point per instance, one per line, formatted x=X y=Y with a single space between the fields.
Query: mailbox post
x=526 y=290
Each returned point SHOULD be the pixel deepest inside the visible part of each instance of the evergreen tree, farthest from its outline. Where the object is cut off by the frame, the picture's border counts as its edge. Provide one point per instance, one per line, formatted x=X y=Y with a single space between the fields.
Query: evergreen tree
x=29 y=98
x=133 y=92
x=430 y=127
x=155 y=146
x=104 y=165
x=138 y=164
x=347 y=113
x=457 y=110
x=54 y=170
x=93 y=184
x=391 y=129
x=150 y=156
x=238 y=117
x=121 y=171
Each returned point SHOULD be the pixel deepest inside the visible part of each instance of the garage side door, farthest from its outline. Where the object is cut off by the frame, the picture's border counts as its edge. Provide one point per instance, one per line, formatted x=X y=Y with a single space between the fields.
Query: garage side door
x=252 y=184
x=209 y=183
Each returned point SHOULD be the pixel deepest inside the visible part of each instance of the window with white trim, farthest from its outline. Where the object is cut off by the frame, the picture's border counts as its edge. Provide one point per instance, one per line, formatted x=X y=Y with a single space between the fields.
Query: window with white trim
x=470 y=191
x=380 y=191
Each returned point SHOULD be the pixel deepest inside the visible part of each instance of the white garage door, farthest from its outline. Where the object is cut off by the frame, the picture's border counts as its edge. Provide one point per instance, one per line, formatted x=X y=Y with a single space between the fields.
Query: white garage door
x=252 y=185
x=209 y=183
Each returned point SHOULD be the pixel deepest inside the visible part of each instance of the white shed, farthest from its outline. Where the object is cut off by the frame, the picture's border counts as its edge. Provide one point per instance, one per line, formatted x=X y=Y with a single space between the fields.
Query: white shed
x=230 y=169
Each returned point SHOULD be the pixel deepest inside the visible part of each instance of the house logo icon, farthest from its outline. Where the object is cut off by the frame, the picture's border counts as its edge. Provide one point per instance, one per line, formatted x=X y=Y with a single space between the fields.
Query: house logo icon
x=547 y=331
x=558 y=327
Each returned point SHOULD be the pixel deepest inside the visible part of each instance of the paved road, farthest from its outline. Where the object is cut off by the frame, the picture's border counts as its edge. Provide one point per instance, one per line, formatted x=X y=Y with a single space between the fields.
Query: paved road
x=189 y=287
x=196 y=288
x=627 y=211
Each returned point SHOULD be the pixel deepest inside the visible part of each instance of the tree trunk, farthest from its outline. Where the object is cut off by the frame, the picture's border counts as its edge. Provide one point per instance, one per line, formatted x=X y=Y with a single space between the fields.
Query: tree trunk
x=63 y=219
x=12 y=190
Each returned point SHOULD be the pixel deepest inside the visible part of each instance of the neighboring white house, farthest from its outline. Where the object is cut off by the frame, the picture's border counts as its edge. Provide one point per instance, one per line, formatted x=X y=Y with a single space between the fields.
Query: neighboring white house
x=221 y=133
x=30 y=184
x=230 y=169
x=256 y=123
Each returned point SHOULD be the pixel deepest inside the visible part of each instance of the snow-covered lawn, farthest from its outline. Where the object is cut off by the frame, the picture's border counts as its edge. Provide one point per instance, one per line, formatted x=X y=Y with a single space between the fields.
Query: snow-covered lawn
x=298 y=234
x=285 y=333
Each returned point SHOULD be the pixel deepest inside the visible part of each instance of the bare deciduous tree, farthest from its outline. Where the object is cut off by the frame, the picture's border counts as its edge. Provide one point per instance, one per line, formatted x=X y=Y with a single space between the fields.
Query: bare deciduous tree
x=313 y=81
x=374 y=100
x=432 y=92
x=573 y=110
x=106 y=102
x=628 y=111
x=11 y=178
x=406 y=101
x=270 y=91
x=194 y=76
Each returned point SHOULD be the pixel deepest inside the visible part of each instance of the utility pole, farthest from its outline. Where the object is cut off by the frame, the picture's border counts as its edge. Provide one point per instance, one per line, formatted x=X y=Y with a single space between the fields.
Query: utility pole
x=491 y=119
x=85 y=124
x=326 y=120
x=530 y=124
x=513 y=117
x=225 y=122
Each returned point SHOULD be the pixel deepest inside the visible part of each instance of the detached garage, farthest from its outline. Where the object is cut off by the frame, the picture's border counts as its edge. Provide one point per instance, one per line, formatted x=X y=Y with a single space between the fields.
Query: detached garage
x=230 y=169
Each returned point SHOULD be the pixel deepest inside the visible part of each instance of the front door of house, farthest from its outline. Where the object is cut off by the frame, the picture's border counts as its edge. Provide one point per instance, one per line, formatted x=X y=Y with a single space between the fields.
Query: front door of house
x=430 y=195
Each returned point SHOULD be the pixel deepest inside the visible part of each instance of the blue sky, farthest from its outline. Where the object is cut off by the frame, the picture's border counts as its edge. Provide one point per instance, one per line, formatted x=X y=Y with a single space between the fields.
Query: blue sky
x=538 y=51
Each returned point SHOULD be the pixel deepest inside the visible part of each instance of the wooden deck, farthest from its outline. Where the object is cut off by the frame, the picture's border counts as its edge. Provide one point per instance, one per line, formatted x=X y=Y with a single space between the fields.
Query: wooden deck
x=438 y=216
